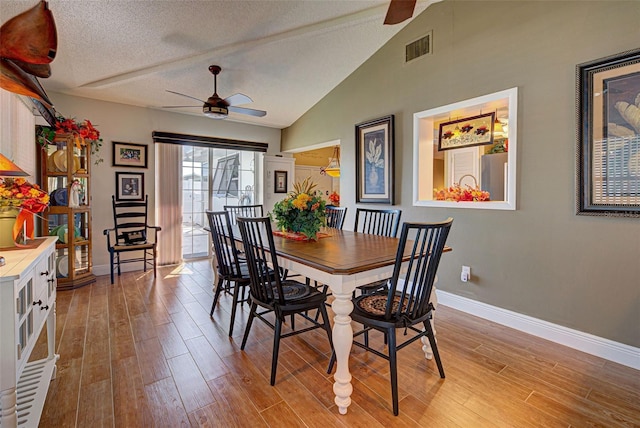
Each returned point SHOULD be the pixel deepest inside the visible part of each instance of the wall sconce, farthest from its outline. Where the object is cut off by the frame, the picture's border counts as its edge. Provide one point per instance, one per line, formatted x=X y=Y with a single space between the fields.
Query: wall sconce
x=333 y=169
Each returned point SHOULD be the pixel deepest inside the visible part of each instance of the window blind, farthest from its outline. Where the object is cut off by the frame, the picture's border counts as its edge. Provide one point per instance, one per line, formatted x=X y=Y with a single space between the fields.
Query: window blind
x=213 y=142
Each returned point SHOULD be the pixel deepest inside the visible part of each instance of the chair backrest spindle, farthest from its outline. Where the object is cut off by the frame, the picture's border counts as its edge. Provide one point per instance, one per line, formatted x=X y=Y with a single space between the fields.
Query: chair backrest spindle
x=259 y=249
x=377 y=222
x=415 y=285
x=224 y=245
x=335 y=216
x=236 y=211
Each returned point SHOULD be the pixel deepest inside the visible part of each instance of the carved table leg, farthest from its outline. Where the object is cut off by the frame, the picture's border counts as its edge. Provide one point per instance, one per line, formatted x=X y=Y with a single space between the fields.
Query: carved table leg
x=342 y=342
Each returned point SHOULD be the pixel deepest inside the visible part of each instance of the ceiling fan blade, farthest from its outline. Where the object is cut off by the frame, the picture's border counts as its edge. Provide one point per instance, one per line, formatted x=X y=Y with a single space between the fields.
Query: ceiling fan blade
x=16 y=80
x=237 y=99
x=188 y=96
x=399 y=11
x=38 y=70
x=180 y=106
x=30 y=36
x=249 y=111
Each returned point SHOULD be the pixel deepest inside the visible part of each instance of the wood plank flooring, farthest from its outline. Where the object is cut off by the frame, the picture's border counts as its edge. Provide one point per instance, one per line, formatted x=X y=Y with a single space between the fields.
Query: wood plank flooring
x=145 y=353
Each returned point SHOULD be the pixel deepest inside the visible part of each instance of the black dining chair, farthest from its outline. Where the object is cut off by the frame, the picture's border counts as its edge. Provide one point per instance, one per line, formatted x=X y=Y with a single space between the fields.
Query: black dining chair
x=377 y=222
x=272 y=295
x=335 y=216
x=233 y=274
x=236 y=211
x=406 y=305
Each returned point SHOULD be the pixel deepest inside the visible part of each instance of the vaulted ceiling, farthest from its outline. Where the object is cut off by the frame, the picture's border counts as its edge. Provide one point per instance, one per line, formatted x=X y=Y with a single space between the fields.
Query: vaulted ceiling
x=285 y=55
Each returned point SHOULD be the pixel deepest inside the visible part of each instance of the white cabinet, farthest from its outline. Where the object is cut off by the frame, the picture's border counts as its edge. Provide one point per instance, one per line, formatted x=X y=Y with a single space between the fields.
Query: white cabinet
x=27 y=303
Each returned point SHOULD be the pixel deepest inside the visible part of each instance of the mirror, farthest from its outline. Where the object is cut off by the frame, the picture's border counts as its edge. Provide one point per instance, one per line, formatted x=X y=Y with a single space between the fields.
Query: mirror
x=465 y=153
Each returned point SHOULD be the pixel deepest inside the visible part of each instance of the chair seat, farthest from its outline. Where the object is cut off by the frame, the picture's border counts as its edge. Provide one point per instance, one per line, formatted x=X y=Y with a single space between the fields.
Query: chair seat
x=376 y=304
x=372 y=307
x=132 y=247
x=294 y=290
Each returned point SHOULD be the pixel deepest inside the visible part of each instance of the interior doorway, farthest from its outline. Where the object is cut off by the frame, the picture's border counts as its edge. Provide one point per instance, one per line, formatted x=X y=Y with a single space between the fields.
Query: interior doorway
x=309 y=162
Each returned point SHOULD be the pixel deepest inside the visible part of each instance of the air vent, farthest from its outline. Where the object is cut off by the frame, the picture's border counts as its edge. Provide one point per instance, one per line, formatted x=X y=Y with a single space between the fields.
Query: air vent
x=418 y=48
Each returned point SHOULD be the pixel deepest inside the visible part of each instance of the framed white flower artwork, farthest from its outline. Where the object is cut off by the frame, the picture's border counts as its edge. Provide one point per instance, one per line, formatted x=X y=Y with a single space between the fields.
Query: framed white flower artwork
x=374 y=161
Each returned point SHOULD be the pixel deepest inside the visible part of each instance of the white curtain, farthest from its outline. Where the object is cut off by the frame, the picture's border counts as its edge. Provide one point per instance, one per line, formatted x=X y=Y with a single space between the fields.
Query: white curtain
x=169 y=202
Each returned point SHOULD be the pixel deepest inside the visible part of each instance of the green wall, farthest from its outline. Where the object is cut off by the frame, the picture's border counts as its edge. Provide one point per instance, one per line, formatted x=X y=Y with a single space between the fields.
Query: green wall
x=541 y=260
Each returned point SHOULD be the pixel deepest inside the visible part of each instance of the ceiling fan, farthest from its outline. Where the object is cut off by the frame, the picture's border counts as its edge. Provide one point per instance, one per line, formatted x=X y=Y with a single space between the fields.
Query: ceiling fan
x=218 y=108
x=399 y=11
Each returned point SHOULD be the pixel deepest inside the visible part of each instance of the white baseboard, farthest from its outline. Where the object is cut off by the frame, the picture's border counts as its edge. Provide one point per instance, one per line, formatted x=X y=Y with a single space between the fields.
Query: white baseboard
x=585 y=342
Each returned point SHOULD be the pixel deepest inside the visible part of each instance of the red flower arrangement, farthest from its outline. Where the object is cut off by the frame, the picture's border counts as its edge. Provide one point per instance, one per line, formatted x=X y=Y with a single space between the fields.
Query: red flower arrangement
x=85 y=134
x=29 y=198
x=334 y=198
x=82 y=130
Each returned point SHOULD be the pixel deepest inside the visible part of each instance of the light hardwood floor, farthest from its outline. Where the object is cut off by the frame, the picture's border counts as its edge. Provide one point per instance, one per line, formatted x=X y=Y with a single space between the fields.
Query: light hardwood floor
x=144 y=353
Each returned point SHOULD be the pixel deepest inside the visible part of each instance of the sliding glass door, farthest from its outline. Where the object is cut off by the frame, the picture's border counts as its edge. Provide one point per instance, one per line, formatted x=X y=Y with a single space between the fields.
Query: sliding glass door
x=211 y=179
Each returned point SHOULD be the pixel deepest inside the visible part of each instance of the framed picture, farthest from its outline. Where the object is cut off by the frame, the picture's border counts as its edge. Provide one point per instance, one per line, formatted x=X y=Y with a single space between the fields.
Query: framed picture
x=608 y=149
x=129 y=186
x=129 y=155
x=280 y=182
x=374 y=161
x=467 y=132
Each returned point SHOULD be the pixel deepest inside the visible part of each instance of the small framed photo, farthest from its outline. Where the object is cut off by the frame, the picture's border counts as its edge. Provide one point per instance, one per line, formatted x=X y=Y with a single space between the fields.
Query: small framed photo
x=129 y=186
x=280 y=182
x=129 y=155
x=374 y=161
x=608 y=147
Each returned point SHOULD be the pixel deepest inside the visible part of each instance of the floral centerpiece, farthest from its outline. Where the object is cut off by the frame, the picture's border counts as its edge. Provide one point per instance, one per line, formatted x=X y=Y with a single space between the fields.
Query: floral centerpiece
x=301 y=211
x=334 y=198
x=24 y=199
x=458 y=193
x=85 y=134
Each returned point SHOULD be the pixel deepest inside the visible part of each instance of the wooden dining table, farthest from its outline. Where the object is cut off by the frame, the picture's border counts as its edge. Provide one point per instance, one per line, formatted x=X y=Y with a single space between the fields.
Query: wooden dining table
x=343 y=260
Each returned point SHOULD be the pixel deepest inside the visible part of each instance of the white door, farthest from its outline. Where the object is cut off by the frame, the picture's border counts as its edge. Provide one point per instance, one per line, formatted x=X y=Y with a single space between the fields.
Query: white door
x=463 y=164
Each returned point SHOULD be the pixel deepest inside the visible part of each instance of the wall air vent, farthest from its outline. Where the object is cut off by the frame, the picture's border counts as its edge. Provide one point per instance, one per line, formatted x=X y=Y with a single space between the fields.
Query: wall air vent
x=418 y=48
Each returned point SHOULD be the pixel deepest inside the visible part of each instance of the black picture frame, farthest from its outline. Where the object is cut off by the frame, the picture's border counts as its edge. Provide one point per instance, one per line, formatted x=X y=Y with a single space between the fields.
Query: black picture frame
x=467 y=132
x=280 y=181
x=608 y=146
x=129 y=155
x=129 y=186
x=375 y=161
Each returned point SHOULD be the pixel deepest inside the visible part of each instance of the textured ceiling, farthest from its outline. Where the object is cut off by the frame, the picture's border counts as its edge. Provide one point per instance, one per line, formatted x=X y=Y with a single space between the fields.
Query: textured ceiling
x=285 y=55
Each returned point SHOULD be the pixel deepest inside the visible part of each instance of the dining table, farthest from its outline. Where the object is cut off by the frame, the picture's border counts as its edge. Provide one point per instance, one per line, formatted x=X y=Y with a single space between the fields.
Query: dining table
x=343 y=260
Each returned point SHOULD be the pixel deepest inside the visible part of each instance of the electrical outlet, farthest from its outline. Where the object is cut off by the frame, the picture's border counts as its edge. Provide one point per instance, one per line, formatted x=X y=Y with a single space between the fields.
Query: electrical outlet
x=465 y=275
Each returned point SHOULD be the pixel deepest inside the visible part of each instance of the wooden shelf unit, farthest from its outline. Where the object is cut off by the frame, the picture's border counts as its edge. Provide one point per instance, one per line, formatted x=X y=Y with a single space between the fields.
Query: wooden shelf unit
x=61 y=163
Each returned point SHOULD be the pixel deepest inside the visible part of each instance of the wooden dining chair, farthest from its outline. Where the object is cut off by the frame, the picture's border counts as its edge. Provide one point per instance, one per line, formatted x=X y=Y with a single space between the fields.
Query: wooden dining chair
x=131 y=233
x=232 y=273
x=335 y=216
x=406 y=305
x=272 y=294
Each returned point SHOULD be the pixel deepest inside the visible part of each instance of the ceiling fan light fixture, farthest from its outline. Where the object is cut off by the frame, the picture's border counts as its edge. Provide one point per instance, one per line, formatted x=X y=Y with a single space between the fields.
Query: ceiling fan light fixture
x=215 y=112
